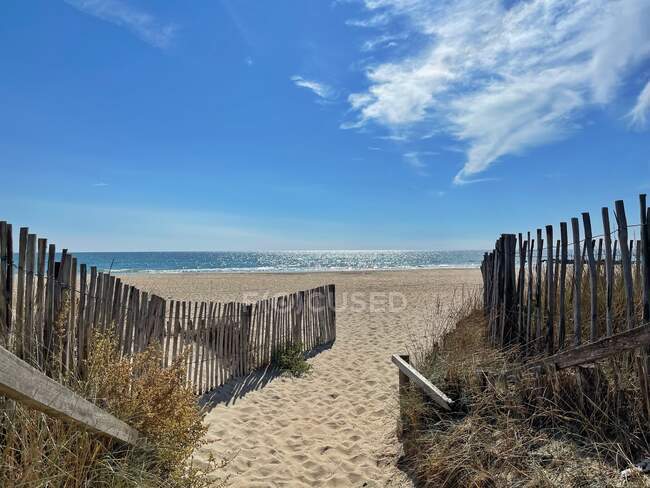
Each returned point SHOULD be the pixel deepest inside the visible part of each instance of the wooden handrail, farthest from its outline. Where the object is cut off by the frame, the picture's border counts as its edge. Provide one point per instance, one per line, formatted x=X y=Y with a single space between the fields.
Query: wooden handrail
x=424 y=384
x=24 y=383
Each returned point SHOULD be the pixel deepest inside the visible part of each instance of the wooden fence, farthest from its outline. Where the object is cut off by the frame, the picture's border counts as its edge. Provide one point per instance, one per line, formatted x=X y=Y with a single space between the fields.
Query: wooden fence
x=50 y=305
x=574 y=301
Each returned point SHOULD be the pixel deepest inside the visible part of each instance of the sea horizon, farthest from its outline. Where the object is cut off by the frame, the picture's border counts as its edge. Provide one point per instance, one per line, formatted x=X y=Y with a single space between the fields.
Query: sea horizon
x=275 y=261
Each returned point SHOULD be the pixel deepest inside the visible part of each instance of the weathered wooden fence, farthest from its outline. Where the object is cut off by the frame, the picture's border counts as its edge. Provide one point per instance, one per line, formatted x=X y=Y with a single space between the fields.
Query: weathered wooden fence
x=50 y=305
x=571 y=302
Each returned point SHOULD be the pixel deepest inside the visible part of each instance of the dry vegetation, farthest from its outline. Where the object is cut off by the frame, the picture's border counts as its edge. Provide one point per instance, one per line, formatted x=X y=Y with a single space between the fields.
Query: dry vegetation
x=39 y=451
x=571 y=428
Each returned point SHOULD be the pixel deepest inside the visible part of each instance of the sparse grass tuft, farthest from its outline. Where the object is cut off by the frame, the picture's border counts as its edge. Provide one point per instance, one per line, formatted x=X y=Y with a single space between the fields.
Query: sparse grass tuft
x=575 y=428
x=292 y=361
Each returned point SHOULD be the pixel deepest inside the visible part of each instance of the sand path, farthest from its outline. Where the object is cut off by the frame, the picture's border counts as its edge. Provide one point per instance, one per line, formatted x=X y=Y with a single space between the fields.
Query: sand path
x=335 y=427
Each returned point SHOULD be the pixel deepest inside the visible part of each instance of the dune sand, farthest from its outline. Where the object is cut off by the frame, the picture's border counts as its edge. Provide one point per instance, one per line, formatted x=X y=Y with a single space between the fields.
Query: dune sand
x=335 y=427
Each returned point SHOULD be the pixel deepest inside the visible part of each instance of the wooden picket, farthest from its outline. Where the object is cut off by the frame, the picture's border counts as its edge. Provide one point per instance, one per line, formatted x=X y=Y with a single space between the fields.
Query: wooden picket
x=534 y=313
x=58 y=305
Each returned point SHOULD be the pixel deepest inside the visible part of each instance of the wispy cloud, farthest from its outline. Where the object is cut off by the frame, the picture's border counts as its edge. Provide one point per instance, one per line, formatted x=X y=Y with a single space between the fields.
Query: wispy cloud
x=321 y=89
x=143 y=24
x=639 y=114
x=248 y=60
x=100 y=184
x=383 y=41
x=414 y=160
x=377 y=20
x=502 y=80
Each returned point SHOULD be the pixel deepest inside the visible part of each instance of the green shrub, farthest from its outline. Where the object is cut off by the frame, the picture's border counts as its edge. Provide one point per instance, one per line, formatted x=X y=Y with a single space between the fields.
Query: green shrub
x=292 y=361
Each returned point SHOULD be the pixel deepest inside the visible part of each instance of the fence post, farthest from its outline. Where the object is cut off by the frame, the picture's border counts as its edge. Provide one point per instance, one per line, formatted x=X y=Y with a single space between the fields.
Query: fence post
x=403 y=384
x=510 y=291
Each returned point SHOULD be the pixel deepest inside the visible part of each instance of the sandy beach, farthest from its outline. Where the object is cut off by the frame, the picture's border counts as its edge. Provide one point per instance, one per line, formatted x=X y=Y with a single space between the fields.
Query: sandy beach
x=335 y=427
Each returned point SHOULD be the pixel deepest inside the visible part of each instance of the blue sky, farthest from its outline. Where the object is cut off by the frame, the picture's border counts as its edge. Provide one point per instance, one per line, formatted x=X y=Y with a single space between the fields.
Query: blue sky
x=293 y=124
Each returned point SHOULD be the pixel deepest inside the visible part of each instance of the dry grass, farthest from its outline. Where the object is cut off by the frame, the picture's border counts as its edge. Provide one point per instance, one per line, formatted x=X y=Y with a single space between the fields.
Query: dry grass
x=573 y=428
x=39 y=451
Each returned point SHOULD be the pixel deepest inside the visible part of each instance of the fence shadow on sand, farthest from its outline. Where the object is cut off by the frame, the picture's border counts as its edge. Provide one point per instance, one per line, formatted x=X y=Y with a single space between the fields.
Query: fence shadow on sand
x=237 y=388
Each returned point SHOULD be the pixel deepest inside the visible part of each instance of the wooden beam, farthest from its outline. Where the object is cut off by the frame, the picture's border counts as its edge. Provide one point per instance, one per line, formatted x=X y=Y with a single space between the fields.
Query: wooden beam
x=22 y=382
x=592 y=352
x=424 y=384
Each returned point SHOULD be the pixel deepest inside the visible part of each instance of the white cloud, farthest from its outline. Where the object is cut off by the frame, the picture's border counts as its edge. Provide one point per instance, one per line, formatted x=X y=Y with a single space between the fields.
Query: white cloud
x=120 y=13
x=503 y=80
x=320 y=89
x=100 y=184
x=639 y=114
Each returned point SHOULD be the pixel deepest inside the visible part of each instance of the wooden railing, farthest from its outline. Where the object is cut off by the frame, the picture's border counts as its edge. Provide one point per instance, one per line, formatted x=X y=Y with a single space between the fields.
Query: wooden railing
x=24 y=383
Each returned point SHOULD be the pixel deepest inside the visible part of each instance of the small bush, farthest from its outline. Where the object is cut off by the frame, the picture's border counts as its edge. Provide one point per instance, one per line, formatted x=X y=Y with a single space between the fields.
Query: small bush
x=292 y=361
x=39 y=451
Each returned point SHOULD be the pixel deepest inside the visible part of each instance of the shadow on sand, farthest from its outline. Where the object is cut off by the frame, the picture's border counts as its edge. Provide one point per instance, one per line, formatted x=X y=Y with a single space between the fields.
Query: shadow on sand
x=237 y=388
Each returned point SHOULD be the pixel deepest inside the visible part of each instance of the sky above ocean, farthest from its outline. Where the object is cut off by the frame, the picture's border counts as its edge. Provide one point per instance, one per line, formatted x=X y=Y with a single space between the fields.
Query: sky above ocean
x=338 y=124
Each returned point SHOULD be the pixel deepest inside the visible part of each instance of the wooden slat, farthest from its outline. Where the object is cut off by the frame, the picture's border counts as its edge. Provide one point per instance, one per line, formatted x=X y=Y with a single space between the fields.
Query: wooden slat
x=81 y=320
x=550 y=293
x=72 y=313
x=171 y=333
x=333 y=291
x=97 y=300
x=424 y=384
x=626 y=263
x=593 y=286
x=177 y=331
x=22 y=382
x=40 y=300
x=28 y=330
x=5 y=272
x=117 y=304
x=221 y=335
x=645 y=259
x=538 y=287
x=20 y=294
x=9 y=299
x=529 y=300
x=48 y=324
x=63 y=313
x=609 y=273
x=564 y=246
x=577 y=279
x=201 y=339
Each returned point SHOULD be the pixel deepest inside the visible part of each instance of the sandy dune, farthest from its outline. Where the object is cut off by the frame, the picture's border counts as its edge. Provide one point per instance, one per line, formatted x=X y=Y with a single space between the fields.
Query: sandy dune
x=335 y=427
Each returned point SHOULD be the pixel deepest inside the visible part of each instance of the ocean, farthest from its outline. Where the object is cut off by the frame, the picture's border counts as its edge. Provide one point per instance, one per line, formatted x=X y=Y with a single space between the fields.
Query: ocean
x=277 y=261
